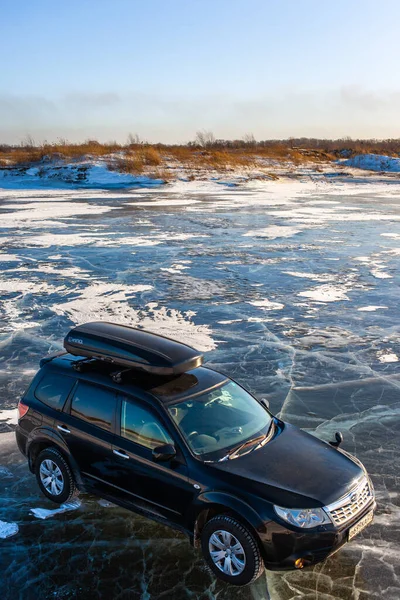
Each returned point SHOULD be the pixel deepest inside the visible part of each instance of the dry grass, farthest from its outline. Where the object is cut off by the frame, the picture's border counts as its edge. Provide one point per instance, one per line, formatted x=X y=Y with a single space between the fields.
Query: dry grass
x=215 y=159
x=29 y=154
x=162 y=161
x=22 y=156
x=183 y=154
x=131 y=163
x=163 y=174
x=150 y=156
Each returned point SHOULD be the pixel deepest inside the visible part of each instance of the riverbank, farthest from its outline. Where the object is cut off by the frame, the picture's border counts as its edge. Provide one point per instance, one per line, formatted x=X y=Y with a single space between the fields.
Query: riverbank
x=109 y=173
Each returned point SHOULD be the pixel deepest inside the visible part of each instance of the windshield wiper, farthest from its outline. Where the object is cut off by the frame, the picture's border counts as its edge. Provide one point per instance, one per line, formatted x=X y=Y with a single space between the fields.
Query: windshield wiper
x=234 y=451
x=267 y=437
x=262 y=439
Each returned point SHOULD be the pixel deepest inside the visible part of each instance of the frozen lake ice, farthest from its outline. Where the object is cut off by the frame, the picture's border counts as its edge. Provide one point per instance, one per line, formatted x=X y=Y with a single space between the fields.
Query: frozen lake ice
x=291 y=288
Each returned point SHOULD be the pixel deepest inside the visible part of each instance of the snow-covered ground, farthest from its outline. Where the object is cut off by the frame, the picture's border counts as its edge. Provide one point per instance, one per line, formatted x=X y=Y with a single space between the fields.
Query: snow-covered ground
x=374 y=162
x=100 y=173
x=86 y=174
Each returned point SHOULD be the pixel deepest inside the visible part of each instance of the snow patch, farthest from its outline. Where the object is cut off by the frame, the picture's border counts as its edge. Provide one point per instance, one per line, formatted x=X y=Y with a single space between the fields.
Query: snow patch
x=390 y=357
x=325 y=293
x=370 y=308
x=99 y=301
x=9 y=416
x=267 y=304
x=273 y=232
x=230 y=322
x=46 y=513
x=165 y=202
x=374 y=162
x=259 y=320
x=22 y=286
x=378 y=274
x=45 y=211
x=62 y=175
x=322 y=277
x=111 y=302
x=9 y=258
x=174 y=268
x=7 y=529
x=393 y=236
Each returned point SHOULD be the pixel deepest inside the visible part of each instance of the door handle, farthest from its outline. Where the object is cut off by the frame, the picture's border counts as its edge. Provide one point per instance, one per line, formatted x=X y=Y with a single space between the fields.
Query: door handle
x=63 y=429
x=120 y=454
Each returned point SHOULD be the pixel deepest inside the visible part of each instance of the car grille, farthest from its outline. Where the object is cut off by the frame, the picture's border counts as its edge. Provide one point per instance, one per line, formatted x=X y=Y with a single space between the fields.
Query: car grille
x=353 y=503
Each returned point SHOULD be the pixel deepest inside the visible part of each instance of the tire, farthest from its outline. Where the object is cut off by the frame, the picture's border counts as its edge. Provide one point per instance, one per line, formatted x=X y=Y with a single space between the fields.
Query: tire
x=221 y=535
x=54 y=476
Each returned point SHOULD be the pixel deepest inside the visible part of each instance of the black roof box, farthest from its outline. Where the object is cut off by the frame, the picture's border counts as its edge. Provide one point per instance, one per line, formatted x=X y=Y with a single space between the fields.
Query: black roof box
x=132 y=348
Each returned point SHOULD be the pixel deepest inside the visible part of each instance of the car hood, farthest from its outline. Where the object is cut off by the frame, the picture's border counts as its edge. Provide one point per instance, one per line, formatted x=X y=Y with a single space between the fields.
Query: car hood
x=294 y=469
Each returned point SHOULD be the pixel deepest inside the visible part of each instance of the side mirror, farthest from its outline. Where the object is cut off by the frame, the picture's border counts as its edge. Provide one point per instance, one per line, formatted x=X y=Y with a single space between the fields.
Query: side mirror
x=338 y=438
x=164 y=453
x=264 y=402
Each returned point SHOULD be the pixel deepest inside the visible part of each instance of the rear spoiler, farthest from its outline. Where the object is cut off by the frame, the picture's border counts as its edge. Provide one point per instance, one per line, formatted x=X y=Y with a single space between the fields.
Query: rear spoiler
x=51 y=357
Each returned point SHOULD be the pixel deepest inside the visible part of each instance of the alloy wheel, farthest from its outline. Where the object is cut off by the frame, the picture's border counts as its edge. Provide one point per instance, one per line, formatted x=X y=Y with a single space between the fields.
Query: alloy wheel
x=51 y=477
x=227 y=552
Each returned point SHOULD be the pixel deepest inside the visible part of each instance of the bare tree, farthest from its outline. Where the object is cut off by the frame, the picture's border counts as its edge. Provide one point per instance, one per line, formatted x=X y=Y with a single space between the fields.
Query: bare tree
x=249 y=140
x=28 y=141
x=133 y=139
x=204 y=138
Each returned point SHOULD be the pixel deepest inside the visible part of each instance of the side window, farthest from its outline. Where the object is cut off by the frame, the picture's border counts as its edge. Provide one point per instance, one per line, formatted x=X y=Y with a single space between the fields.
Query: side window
x=142 y=427
x=94 y=404
x=53 y=389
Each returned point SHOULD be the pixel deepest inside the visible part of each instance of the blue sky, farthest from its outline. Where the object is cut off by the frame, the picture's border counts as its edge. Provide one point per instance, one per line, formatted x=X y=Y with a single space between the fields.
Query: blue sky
x=164 y=69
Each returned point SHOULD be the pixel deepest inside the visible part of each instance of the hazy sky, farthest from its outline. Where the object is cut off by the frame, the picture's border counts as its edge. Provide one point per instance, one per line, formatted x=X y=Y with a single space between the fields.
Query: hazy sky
x=166 y=68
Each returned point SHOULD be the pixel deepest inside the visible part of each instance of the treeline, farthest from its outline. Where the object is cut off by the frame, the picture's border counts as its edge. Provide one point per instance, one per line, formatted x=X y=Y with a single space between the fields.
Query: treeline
x=205 y=145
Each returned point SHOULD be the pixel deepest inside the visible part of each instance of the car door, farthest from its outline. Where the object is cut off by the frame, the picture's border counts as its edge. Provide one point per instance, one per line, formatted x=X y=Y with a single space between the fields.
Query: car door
x=161 y=488
x=87 y=426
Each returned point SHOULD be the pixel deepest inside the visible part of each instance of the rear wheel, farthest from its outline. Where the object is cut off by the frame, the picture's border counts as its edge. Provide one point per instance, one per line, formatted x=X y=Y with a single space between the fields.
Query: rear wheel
x=54 y=476
x=231 y=551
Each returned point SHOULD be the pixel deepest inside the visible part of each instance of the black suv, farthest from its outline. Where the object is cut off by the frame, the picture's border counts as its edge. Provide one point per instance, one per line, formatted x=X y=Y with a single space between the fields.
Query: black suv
x=134 y=417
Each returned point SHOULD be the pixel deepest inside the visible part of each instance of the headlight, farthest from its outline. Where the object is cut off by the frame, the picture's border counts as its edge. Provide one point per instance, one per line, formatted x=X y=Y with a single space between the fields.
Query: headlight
x=305 y=518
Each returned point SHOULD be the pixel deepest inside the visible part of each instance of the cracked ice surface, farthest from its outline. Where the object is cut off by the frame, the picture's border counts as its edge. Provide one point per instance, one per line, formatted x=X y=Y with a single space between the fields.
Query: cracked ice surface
x=291 y=288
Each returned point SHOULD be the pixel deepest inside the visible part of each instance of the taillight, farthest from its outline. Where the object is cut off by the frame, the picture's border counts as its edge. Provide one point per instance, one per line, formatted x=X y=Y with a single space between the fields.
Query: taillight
x=22 y=409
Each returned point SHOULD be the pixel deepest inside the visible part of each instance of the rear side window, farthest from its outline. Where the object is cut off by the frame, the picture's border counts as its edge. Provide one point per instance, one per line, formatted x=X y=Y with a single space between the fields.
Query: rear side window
x=95 y=405
x=53 y=390
x=142 y=427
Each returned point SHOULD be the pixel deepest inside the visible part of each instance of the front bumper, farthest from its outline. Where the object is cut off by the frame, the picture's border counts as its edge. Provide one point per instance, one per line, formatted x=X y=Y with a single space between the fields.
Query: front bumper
x=282 y=547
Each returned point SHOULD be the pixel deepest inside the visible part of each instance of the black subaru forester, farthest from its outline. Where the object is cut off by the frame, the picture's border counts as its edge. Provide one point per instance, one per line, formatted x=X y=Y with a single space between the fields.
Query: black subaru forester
x=133 y=417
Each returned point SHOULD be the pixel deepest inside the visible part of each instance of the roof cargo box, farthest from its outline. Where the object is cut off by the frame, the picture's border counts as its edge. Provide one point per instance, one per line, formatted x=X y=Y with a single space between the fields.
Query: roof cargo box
x=132 y=348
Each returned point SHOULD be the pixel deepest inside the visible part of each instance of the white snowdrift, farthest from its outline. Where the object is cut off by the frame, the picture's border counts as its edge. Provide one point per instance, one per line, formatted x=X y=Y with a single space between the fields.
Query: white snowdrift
x=374 y=162
x=75 y=175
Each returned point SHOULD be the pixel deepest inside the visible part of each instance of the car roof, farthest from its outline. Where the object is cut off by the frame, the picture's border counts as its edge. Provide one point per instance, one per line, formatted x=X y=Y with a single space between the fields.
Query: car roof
x=167 y=389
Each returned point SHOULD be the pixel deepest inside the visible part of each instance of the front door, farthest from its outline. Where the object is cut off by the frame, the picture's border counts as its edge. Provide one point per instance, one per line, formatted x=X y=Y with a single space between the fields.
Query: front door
x=161 y=488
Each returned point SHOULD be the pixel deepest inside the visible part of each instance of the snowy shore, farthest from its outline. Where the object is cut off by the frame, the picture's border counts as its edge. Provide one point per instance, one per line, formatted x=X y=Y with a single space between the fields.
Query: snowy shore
x=96 y=173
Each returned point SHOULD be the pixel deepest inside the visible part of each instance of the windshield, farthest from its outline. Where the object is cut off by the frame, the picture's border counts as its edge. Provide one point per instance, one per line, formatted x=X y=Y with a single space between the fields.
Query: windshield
x=220 y=419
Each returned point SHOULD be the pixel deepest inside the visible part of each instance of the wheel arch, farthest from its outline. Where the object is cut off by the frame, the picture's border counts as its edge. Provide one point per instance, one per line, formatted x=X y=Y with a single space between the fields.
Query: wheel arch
x=212 y=504
x=49 y=439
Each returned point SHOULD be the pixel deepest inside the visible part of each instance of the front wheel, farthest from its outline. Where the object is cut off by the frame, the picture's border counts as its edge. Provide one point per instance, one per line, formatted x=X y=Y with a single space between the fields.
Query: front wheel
x=54 y=476
x=231 y=551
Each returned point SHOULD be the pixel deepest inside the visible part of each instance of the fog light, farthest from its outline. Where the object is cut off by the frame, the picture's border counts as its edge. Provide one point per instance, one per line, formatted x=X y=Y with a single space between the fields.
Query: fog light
x=299 y=563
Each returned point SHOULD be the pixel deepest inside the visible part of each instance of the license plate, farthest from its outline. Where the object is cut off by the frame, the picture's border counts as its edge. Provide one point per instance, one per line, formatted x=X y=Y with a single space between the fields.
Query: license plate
x=353 y=531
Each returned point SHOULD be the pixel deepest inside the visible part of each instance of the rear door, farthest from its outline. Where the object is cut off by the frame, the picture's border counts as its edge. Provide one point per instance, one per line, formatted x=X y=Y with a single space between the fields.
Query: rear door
x=161 y=488
x=87 y=427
